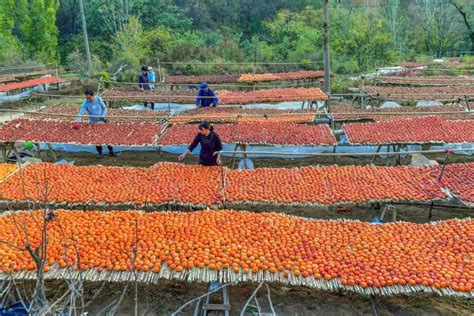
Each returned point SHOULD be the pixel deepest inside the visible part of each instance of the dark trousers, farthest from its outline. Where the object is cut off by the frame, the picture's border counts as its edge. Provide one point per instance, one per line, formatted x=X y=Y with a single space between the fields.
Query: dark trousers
x=99 y=149
x=151 y=103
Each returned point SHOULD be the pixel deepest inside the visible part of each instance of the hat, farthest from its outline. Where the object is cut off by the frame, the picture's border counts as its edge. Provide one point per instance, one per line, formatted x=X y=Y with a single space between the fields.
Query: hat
x=150 y=68
x=204 y=85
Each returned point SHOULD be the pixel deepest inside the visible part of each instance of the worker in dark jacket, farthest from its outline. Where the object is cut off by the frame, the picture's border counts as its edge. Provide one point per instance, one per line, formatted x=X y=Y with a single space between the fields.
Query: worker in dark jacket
x=206 y=96
x=210 y=143
x=144 y=84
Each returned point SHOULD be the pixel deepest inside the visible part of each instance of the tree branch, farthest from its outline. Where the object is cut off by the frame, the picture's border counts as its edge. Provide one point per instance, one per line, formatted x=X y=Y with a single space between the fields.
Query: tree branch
x=464 y=15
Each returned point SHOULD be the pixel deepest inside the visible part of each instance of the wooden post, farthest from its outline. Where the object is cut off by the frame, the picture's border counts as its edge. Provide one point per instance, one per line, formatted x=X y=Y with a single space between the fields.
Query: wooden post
x=99 y=86
x=327 y=83
x=160 y=73
x=376 y=153
x=86 y=38
x=50 y=148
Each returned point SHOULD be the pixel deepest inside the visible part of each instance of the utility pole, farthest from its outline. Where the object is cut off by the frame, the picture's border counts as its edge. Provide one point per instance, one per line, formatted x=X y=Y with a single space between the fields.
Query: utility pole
x=327 y=73
x=86 y=38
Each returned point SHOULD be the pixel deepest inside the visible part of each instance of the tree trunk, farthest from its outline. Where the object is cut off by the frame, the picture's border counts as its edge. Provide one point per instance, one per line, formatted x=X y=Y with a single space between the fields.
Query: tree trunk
x=469 y=27
x=472 y=41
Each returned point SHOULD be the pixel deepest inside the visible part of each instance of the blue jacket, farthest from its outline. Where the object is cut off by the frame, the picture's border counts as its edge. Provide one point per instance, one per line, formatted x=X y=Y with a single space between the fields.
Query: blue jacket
x=143 y=82
x=97 y=107
x=205 y=99
x=151 y=79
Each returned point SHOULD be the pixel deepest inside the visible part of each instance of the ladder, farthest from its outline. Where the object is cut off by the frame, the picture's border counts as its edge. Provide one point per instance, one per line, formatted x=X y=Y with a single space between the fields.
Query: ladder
x=213 y=308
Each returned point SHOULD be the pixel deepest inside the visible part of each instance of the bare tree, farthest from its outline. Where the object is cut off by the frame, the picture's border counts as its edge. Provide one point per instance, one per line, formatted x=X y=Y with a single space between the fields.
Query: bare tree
x=37 y=253
x=464 y=13
x=440 y=31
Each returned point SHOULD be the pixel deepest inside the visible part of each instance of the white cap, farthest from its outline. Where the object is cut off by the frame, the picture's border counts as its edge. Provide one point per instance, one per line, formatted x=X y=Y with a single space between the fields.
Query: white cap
x=150 y=68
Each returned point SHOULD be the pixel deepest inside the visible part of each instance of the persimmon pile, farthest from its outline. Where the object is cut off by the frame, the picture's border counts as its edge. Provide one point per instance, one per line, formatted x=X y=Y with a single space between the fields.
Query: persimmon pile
x=293 y=75
x=170 y=183
x=183 y=134
x=341 y=113
x=284 y=134
x=45 y=131
x=332 y=185
x=73 y=110
x=274 y=95
x=459 y=179
x=401 y=257
x=237 y=114
x=166 y=183
x=29 y=83
x=258 y=133
x=6 y=169
x=246 y=78
x=420 y=93
x=426 y=80
x=204 y=78
x=420 y=130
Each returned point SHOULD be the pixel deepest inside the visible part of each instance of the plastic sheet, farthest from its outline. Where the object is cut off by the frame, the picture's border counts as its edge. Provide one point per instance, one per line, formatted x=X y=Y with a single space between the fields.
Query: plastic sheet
x=174 y=107
x=177 y=108
x=368 y=149
x=91 y=149
x=17 y=97
x=274 y=149
x=245 y=164
x=457 y=147
x=428 y=103
x=390 y=105
x=280 y=106
x=342 y=147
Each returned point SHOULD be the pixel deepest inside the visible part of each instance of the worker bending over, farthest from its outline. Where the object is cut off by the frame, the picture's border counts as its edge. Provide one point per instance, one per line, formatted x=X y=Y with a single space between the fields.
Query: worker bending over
x=206 y=97
x=210 y=143
x=97 y=110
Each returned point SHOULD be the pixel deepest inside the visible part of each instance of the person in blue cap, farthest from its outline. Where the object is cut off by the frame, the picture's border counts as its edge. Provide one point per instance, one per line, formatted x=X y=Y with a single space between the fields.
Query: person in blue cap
x=206 y=97
x=97 y=110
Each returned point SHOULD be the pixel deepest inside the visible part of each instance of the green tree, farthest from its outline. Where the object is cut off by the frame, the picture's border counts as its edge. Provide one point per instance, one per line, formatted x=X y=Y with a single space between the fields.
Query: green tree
x=295 y=36
x=130 y=46
x=9 y=49
x=360 y=41
x=160 y=41
x=38 y=30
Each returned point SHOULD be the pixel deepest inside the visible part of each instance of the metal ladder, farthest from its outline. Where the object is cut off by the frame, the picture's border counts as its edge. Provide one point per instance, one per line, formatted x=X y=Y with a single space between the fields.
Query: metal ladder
x=214 y=308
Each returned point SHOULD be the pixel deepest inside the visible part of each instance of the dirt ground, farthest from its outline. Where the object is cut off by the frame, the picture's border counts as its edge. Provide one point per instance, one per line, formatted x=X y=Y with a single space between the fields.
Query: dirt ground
x=166 y=297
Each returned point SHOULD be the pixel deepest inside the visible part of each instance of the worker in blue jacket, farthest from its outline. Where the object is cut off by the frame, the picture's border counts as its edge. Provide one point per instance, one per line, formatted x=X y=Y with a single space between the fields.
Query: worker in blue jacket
x=97 y=110
x=144 y=84
x=206 y=97
x=151 y=78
